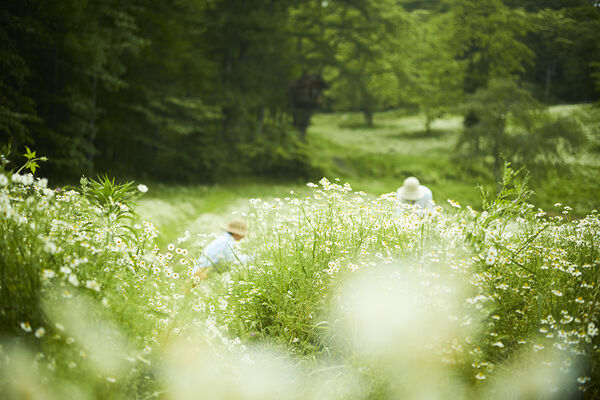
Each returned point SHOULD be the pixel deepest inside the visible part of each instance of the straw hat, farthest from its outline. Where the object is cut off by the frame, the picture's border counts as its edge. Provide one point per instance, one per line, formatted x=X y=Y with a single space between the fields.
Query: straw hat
x=411 y=189
x=238 y=227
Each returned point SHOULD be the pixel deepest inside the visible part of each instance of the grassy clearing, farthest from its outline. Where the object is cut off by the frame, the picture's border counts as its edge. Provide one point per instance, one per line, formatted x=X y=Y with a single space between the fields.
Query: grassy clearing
x=376 y=160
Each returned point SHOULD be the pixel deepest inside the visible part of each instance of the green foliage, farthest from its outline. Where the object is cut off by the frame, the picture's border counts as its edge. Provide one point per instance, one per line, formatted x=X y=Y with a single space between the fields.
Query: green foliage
x=32 y=160
x=510 y=123
x=364 y=72
x=175 y=92
x=72 y=289
x=490 y=46
x=514 y=193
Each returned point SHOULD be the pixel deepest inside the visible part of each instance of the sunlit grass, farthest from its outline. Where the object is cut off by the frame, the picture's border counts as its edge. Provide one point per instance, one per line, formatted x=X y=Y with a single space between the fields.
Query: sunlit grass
x=377 y=159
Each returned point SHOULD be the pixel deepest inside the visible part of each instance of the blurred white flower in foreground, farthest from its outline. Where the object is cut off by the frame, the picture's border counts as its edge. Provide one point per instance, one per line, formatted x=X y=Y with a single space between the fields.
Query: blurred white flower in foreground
x=400 y=324
x=194 y=370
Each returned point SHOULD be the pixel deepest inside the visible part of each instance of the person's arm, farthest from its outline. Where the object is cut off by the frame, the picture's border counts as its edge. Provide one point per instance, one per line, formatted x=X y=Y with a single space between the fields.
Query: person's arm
x=210 y=255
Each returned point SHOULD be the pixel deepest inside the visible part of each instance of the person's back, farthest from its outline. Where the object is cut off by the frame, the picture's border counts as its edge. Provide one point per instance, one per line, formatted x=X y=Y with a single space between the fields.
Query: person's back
x=412 y=192
x=222 y=250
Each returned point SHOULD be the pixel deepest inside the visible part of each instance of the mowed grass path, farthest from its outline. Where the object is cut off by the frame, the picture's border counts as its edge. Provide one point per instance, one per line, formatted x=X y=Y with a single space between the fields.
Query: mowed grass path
x=377 y=159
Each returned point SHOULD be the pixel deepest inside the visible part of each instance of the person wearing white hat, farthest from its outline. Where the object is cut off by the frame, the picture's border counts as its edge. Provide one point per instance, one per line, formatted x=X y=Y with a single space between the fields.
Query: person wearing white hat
x=412 y=192
x=222 y=250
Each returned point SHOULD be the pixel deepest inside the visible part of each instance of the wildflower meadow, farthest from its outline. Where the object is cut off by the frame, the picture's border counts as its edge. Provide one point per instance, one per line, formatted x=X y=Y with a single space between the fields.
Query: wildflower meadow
x=345 y=296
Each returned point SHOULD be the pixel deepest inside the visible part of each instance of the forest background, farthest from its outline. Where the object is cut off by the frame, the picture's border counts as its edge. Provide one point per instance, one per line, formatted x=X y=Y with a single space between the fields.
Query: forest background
x=217 y=91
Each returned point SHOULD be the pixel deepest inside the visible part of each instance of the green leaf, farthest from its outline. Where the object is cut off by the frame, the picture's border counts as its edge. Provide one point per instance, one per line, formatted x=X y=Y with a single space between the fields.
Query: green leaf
x=33 y=166
x=29 y=155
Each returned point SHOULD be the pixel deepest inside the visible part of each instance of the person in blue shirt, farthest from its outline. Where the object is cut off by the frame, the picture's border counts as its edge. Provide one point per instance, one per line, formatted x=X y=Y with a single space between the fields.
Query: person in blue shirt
x=222 y=250
x=412 y=192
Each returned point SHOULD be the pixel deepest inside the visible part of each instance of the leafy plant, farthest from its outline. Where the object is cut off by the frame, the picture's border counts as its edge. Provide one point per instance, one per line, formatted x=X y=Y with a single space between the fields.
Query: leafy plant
x=32 y=160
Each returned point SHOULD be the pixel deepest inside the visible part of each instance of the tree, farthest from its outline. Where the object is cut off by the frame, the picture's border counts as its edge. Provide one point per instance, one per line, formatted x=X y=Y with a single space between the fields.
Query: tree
x=553 y=32
x=512 y=125
x=563 y=38
x=17 y=109
x=490 y=36
x=61 y=57
x=352 y=44
x=166 y=121
x=434 y=76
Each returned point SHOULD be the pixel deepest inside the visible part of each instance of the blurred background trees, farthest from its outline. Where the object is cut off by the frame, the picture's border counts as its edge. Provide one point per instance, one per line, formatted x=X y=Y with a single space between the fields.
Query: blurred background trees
x=201 y=91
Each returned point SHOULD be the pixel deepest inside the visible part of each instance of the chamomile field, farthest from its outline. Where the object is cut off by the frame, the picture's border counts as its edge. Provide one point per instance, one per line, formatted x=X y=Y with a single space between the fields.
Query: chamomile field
x=346 y=294
x=376 y=160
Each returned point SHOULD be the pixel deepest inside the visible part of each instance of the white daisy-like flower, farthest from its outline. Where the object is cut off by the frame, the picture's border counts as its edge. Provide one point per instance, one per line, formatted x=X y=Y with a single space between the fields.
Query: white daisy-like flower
x=73 y=280
x=490 y=260
x=92 y=284
x=26 y=326
x=142 y=188
x=50 y=247
x=27 y=179
x=592 y=330
x=454 y=204
x=48 y=273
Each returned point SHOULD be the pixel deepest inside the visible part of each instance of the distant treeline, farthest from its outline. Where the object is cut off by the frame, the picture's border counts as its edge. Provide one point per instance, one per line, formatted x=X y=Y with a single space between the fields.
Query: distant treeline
x=200 y=91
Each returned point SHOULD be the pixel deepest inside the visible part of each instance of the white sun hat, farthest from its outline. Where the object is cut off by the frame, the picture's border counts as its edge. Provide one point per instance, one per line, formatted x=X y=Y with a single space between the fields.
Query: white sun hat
x=411 y=189
x=238 y=227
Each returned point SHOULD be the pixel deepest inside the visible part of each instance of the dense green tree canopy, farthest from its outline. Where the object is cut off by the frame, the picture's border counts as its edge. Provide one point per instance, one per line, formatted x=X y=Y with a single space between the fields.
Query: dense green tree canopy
x=199 y=91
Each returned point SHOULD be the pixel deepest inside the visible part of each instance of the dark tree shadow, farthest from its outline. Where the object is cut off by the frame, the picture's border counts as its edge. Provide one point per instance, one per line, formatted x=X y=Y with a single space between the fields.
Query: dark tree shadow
x=362 y=125
x=415 y=135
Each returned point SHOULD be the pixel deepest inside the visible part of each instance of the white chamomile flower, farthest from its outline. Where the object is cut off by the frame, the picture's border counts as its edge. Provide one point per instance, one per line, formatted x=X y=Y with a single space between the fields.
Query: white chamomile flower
x=26 y=326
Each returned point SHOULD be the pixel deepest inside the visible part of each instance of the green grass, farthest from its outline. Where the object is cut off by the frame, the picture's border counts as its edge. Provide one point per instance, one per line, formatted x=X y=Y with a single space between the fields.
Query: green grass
x=376 y=160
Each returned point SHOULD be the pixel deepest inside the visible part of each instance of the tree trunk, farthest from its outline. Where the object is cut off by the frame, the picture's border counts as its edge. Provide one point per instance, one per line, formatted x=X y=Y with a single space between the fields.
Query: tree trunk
x=496 y=151
x=550 y=68
x=428 y=122
x=91 y=150
x=368 y=114
x=260 y=119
